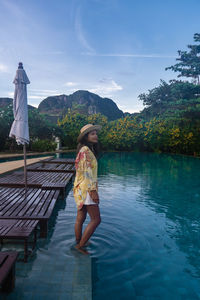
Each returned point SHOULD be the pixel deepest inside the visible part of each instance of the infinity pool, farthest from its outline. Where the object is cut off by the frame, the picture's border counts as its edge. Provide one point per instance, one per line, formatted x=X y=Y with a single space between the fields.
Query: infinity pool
x=147 y=245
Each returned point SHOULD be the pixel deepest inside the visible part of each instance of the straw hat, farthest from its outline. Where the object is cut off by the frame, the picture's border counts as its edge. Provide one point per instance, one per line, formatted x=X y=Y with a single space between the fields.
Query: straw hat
x=87 y=128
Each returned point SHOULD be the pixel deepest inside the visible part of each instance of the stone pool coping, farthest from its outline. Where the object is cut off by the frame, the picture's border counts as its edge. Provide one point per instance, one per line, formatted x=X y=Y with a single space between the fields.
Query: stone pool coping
x=7 y=155
x=16 y=164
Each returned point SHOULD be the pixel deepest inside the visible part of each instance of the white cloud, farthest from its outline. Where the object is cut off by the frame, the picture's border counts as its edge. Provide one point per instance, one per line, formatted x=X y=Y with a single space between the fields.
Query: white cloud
x=106 y=87
x=11 y=94
x=34 y=97
x=40 y=94
x=43 y=93
x=3 y=68
x=130 y=55
x=70 y=83
x=37 y=94
x=80 y=34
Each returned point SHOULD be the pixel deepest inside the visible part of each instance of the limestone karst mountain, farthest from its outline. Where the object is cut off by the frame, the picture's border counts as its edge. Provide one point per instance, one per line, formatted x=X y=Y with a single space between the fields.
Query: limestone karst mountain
x=82 y=102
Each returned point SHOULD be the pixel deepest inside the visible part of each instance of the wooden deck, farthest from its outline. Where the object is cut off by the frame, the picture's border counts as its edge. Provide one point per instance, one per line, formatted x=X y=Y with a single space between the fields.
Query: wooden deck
x=19 y=230
x=57 y=165
x=43 y=180
x=21 y=210
x=51 y=167
x=7 y=270
x=60 y=160
x=36 y=204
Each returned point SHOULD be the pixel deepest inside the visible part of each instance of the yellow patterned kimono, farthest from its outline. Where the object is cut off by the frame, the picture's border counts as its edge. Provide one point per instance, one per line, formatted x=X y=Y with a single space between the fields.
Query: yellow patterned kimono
x=86 y=175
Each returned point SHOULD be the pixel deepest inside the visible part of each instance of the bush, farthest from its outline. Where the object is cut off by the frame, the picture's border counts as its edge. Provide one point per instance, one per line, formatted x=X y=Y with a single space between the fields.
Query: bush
x=43 y=145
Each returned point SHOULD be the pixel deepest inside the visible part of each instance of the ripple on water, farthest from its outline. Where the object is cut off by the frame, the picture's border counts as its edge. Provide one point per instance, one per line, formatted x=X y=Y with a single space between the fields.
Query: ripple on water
x=140 y=249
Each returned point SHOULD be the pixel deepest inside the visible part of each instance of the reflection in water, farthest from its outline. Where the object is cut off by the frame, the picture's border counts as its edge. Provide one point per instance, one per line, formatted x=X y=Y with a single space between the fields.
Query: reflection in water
x=81 y=276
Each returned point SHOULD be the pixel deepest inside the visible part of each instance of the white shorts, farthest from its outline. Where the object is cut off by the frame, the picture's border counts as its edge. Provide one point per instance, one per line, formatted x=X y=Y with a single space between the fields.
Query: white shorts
x=89 y=200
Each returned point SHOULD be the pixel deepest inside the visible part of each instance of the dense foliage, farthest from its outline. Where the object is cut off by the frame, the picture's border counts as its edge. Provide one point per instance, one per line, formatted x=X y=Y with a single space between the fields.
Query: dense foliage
x=72 y=123
x=43 y=145
x=166 y=133
x=39 y=129
x=167 y=93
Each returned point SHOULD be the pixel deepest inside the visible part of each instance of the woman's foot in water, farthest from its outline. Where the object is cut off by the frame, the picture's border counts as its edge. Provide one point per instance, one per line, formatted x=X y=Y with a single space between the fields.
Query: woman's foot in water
x=81 y=249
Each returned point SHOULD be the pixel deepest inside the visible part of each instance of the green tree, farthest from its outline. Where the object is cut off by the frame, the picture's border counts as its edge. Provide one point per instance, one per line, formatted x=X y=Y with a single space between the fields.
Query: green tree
x=189 y=61
x=157 y=95
x=168 y=92
x=40 y=127
x=72 y=123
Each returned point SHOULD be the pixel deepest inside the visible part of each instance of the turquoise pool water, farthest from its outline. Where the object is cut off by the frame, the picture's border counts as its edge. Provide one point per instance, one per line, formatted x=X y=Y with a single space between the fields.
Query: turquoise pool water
x=148 y=243
x=146 y=247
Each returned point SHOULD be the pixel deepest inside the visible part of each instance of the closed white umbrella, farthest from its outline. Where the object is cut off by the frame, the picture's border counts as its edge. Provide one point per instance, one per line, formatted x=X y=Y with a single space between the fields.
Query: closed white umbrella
x=19 y=129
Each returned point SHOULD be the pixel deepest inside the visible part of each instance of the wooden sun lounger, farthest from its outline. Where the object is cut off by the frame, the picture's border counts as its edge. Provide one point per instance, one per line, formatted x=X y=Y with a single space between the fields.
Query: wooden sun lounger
x=19 y=230
x=43 y=180
x=7 y=270
x=36 y=204
x=51 y=167
x=60 y=160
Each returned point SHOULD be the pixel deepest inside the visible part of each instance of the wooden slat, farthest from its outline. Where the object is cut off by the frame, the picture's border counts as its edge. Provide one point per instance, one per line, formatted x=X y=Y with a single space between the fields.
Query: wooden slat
x=60 y=160
x=53 y=166
x=50 y=203
x=35 y=209
x=12 y=197
x=32 y=199
x=66 y=170
x=34 y=206
x=17 y=229
x=4 y=230
x=18 y=201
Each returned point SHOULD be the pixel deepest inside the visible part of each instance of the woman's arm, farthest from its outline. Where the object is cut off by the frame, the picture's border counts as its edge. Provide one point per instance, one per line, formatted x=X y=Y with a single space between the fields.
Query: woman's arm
x=94 y=195
x=84 y=165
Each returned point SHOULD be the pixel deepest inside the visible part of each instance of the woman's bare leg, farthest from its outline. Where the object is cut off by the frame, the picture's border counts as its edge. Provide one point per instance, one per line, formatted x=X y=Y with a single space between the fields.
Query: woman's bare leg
x=94 y=213
x=80 y=218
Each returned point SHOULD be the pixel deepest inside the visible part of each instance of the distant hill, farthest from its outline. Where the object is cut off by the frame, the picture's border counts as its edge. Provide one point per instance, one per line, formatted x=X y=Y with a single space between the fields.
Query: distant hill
x=4 y=102
x=81 y=101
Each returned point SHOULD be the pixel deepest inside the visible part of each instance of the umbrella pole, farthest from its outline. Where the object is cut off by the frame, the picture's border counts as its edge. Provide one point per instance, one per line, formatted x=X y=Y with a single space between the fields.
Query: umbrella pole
x=25 y=171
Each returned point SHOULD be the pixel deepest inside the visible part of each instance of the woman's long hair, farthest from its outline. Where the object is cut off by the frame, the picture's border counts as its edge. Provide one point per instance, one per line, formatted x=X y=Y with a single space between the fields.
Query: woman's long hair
x=94 y=147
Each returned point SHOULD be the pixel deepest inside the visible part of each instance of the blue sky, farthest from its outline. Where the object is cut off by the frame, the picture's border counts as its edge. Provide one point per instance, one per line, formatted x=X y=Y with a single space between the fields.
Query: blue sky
x=115 y=48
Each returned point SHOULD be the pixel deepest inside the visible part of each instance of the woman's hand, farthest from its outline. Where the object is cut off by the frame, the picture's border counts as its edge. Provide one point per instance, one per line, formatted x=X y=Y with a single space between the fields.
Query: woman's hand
x=94 y=195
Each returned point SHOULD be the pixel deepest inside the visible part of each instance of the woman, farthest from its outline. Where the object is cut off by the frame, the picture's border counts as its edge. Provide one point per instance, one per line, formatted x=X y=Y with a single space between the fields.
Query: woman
x=85 y=188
